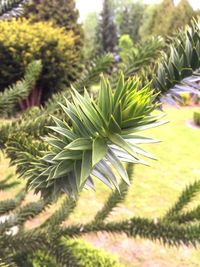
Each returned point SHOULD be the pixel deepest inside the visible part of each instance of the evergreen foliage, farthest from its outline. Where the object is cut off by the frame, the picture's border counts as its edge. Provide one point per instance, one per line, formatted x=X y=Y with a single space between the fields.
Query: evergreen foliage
x=174 y=228
x=90 y=25
x=144 y=54
x=61 y=12
x=149 y=17
x=161 y=22
x=181 y=60
x=100 y=132
x=129 y=19
x=106 y=32
x=125 y=47
x=5 y=185
x=24 y=41
x=21 y=90
x=156 y=23
x=35 y=120
x=181 y=15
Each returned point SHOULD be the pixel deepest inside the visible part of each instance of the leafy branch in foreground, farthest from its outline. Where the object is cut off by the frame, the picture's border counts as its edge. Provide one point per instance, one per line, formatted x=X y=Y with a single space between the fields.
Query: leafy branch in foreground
x=94 y=135
x=19 y=91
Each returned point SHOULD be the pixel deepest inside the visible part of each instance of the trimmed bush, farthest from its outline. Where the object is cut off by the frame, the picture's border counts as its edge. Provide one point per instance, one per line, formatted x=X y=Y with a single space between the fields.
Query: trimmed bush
x=89 y=256
x=196 y=118
x=125 y=46
x=22 y=41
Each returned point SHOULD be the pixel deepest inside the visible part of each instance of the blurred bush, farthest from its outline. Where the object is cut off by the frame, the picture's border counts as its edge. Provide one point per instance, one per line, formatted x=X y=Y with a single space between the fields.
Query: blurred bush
x=125 y=47
x=185 y=98
x=89 y=256
x=61 y=13
x=196 y=117
x=22 y=41
x=85 y=253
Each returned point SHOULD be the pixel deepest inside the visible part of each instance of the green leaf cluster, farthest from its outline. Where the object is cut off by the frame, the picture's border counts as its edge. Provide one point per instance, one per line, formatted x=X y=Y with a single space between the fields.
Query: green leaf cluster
x=95 y=136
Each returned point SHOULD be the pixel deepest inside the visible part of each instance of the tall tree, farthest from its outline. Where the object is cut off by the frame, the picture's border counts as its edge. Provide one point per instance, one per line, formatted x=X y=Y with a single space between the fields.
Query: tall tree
x=156 y=23
x=89 y=27
x=107 y=29
x=129 y=19
x=181 y=15
x=148 y=22
x=162 y=17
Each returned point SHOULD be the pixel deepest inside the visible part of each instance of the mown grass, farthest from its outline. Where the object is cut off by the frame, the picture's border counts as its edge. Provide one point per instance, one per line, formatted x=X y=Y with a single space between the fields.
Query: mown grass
x=153 y=191
x=156 y=187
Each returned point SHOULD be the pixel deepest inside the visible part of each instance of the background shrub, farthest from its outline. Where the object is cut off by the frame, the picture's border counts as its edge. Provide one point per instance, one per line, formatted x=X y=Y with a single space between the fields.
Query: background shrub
x=85 y=253
x=60 y=12
x=125 y=46
x=185 y=98
x=89 y=256
x=197 y=117
x=22 y=41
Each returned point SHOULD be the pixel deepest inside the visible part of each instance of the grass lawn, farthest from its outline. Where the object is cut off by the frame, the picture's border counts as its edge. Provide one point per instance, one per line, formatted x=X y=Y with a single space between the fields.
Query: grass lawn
x=153 y=191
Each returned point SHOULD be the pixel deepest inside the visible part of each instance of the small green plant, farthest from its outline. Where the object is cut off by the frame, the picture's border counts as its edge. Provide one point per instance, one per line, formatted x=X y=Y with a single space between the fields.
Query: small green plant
x=185 y=98
x=196 y=118
x=125 y=47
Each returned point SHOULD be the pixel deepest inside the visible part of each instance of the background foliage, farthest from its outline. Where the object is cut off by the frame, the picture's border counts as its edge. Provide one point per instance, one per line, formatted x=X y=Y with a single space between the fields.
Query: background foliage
x=22 y=41
x=60 y=12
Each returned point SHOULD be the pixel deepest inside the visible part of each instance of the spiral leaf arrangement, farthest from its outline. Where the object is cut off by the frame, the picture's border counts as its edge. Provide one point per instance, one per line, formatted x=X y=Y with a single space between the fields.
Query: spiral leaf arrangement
x=95 y=138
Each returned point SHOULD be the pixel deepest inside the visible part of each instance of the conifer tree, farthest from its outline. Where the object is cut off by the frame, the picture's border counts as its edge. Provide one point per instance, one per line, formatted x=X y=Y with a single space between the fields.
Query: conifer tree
x=161 y=22
x=130 y=19
x=177 y=17
x=148 y=22
x=124 y=21
x=181 y=15
x=90 y=26
x=107 y=29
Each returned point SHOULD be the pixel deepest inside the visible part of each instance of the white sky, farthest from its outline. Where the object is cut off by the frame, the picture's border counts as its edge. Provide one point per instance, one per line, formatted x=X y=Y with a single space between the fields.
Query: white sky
x=87 y=6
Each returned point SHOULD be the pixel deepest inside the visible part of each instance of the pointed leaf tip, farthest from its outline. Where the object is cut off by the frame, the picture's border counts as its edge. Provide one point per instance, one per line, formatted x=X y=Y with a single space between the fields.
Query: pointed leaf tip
x=99 y=150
